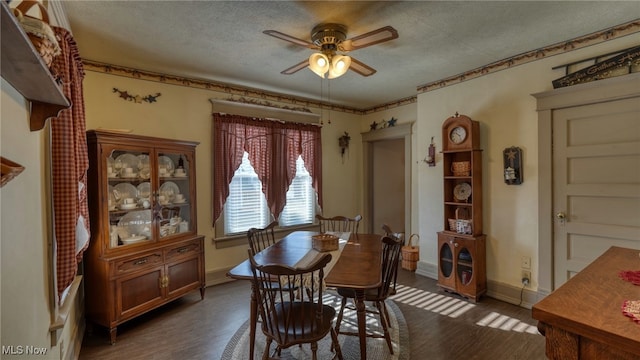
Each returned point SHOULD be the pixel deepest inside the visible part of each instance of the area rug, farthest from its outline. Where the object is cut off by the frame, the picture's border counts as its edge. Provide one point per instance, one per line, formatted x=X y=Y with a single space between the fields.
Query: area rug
x=238 y=346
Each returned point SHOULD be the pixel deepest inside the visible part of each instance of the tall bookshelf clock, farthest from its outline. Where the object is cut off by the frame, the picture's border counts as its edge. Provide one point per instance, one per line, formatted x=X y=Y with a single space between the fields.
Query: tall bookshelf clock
x=461 y=245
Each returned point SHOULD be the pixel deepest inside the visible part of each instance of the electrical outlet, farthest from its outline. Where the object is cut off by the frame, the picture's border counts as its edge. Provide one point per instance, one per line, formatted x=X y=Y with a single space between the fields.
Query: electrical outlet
x=526 y=277
x=525 y=262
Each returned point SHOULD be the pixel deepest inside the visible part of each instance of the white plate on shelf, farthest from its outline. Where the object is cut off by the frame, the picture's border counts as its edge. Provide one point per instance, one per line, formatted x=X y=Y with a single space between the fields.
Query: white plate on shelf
x=169 y=189
x=167 y=163
x=134 y=239
x=144 y=190
x=126 y=190
x=136 y=222
x=128 y=161
x=144 y=161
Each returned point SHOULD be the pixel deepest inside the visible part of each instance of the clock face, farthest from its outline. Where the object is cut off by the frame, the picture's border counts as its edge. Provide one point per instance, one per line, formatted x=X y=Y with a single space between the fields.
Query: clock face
x=458 y=135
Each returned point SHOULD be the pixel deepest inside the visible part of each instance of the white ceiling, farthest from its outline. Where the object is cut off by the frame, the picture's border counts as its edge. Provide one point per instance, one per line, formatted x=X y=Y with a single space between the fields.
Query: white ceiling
x=222 y=41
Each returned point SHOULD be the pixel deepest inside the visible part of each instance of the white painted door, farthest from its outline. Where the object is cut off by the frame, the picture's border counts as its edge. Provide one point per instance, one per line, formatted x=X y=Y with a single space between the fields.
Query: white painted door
x=596 y=172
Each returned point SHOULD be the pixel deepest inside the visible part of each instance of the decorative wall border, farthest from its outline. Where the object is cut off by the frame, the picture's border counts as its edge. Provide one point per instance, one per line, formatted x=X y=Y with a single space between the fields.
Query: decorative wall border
x=556 y=49
x=533 y=55
x=231 y=90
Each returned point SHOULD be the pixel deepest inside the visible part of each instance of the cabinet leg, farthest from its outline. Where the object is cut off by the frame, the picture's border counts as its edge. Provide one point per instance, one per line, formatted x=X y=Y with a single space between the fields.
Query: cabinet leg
x=112 y=334
x=202 y=293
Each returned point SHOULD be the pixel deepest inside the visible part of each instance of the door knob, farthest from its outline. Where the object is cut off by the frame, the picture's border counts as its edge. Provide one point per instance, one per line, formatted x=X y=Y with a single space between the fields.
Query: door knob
x=561 y=215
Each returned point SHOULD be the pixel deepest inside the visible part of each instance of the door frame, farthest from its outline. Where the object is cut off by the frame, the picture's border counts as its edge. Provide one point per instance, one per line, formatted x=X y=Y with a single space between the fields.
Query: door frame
x=617 y=88
x=400 y=131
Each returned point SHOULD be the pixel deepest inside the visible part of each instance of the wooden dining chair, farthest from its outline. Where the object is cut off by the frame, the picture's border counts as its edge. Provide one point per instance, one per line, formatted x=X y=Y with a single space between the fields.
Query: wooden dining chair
x=339 y=223
x=260 y=239
x=390 y=258
x=292 y=317
x=400 y=236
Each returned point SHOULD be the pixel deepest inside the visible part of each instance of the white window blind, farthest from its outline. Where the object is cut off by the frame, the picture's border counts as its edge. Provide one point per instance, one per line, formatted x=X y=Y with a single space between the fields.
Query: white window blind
x=301 y=199
x=246 y=206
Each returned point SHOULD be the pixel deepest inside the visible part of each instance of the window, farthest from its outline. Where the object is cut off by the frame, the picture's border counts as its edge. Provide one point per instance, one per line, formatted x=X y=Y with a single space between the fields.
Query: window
x=246 y=206
x=301 y=199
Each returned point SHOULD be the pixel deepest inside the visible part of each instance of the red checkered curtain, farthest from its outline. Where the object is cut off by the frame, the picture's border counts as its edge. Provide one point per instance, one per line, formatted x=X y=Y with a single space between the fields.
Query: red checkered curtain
x=273 y=147
x=69 y=166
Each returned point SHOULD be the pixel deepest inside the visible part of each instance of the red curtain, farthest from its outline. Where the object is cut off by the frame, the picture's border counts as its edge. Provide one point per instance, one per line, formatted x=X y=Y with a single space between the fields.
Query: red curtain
x=69 y=165
x=273 y=148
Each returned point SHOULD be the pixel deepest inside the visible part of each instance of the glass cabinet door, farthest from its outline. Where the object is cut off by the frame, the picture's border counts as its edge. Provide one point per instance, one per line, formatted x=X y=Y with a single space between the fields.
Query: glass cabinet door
x=128 y=197
x=174 y=193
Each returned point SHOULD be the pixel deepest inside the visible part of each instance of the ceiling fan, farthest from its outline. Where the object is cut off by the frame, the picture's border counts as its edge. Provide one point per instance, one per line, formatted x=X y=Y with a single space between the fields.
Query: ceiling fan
x=330 y=39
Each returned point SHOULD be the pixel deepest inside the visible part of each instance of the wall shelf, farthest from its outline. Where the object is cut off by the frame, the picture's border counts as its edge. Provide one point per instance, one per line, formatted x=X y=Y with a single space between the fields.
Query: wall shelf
x=23 y=68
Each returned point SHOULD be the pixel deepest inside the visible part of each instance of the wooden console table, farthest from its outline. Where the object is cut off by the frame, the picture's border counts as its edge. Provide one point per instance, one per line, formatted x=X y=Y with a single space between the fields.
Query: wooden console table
x=583 y=319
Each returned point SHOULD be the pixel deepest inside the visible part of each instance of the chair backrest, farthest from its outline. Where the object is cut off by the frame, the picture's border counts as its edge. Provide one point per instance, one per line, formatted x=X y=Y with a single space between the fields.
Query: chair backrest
x=388 y=232
x=259 y=239
x=291 y=313
x=339 y=223
x=390 y=258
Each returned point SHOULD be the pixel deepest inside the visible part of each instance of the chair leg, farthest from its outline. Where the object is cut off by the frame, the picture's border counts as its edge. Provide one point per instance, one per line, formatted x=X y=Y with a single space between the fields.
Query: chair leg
x=386 y=314
x=385 y=326
x=339 y=319
x=336 y=344
x=265 y=354
x=314 y=350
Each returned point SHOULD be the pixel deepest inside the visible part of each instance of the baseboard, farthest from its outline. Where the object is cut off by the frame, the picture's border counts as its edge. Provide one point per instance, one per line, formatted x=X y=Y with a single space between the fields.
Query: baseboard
x=217 y=277
x=522 y=297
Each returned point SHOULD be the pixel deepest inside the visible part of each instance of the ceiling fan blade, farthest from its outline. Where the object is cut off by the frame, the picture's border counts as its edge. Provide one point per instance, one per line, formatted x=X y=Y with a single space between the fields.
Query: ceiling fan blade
x=296 y=68
x=291 y=39
x=371 y=38
x=361 y=68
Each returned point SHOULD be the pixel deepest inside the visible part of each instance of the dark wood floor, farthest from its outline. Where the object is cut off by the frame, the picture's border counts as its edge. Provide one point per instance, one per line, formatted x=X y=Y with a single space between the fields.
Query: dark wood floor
x=441 y=326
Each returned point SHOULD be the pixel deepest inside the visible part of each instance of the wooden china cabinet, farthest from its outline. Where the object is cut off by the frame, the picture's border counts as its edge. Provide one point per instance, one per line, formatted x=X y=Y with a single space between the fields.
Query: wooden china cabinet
x=461 y=246
x=144 y=249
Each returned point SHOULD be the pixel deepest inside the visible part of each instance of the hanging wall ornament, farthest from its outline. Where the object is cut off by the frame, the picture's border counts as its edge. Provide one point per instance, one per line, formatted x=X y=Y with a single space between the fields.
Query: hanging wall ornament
x=343 y=141
x=136 y=98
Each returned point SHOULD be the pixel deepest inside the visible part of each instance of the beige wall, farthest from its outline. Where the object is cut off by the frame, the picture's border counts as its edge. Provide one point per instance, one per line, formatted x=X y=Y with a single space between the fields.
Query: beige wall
x=503 y=104
x=23 y=232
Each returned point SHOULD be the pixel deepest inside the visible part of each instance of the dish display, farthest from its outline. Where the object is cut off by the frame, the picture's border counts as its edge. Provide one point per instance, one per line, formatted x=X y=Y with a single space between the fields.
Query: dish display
x=112 y=198
x=144 y=190
x=135 y=223
x=123 y=191
x=165 y=162
x=169 y=189
x=134 y=239
x=126 y=162
x=144 y=161
x=462 y=191
x=128 y=206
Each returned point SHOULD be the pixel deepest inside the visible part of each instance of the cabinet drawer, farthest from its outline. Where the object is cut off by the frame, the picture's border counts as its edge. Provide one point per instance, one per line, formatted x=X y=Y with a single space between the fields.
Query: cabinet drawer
x=186 y=249
x=136 y=263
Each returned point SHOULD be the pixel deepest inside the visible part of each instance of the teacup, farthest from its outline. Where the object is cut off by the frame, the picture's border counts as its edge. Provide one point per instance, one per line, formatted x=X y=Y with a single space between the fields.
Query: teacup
x=180 y=172
x=129 y=201
x=162 y=199
x=128 y=171
x=179 y=197
x=163 y=171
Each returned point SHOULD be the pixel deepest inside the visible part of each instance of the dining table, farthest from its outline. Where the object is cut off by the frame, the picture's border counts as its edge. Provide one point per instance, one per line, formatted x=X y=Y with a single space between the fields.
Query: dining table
x=355 y=265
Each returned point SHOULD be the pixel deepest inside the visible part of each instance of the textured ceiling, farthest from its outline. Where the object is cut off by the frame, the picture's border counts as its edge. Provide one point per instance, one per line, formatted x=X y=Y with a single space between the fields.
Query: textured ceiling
x=222 y=41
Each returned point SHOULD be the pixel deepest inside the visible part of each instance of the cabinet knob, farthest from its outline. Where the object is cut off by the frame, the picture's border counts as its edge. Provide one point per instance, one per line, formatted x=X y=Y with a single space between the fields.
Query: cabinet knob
x=561 y=215
x=455 y=244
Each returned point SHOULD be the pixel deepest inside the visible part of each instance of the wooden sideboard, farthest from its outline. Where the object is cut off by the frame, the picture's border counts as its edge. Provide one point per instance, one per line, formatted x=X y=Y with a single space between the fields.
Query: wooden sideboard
x=583 y=319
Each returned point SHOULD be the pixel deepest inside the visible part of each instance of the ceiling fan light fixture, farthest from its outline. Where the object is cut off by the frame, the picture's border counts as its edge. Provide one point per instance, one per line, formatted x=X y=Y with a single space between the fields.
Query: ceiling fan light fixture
x=319 y=64
x=339 y=66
